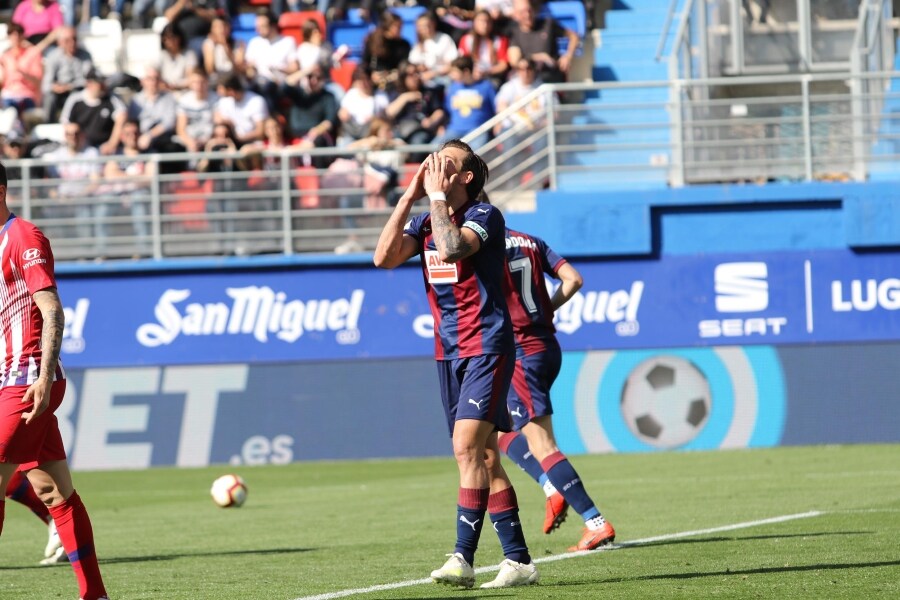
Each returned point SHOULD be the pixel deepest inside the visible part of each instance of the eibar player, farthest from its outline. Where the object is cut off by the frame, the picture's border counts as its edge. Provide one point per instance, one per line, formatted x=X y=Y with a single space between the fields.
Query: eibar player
x=461 y=247
x=20 y=490
x=538 y=360
x=32 y=386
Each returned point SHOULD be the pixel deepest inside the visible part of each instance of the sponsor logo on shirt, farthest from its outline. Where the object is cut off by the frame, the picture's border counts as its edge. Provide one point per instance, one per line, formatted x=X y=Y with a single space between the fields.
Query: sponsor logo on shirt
x=32 y=257
x=258 y=311
x=438 y=270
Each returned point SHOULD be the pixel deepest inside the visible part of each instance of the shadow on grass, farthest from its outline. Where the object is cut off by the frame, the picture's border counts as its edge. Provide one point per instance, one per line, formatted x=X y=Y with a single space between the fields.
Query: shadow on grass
x=161 y=557
x=703 y=540
x=727 y=572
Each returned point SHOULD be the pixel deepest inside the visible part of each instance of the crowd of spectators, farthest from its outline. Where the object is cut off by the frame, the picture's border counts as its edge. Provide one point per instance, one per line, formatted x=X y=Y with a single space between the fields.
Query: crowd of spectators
x=470 y=58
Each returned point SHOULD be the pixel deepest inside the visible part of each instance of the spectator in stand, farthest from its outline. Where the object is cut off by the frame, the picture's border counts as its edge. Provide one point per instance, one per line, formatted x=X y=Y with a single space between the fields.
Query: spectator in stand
x=176 y=63
x=154 y=109
x=79 y=181
x=269 y=58
x=40 y=18
x=488 y=50
x=384 y=50
x=535 y=38
x=469 y=103
x=416 y=111
x=64 y=69
x=524 y=122
x=433 y=51
x=314 y=49
x=140 y=9
x=244 y=111
x=193 y=18
x=501 y=11
x=194 y=115
x=313 y=115
x=98 y=113
x=13 y=149
x=129 y=180
x=221 y=53
x=359 y=106
x=382 y=165
x=21 y=72
x=454 y=16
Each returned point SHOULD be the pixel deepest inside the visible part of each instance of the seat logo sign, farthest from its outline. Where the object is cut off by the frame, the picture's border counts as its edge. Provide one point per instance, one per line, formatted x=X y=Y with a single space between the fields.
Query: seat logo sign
x=741 y=287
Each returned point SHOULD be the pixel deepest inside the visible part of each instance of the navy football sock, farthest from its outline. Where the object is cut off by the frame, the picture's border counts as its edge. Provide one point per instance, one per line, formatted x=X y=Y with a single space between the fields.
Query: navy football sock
x=470 y=509
x=504 y=510
x=516 y=448
x=566 y=480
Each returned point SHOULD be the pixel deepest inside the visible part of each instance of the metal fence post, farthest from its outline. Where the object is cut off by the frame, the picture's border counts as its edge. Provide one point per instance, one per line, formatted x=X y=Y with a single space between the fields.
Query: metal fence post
x=286 y=224
x=551 y=140
x=807 y=130
x=26 y=190
x=155 y=209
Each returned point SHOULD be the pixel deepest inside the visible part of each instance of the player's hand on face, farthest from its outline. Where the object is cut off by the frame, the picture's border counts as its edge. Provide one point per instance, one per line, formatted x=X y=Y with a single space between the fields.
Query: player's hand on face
x=440 y=174
x=38 y=393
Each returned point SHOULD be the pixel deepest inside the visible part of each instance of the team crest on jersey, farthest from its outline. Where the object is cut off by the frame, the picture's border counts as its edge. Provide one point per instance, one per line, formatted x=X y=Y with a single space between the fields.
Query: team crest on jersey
x=438 y=270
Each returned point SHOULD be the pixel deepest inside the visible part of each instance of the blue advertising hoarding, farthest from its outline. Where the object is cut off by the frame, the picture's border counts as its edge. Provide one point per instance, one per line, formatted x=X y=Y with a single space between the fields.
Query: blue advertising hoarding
x=360 y=312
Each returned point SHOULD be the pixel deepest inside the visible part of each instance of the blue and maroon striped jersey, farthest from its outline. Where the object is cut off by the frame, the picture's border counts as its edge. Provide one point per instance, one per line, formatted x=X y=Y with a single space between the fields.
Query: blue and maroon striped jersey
x=466 y=297
x=527 y=259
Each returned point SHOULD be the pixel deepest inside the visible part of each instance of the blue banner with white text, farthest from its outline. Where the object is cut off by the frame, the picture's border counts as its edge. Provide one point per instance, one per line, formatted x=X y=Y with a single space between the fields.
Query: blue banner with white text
x=350 y=313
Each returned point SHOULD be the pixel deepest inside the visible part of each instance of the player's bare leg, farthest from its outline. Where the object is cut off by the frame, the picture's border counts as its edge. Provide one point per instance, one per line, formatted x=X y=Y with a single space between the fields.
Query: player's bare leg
x=6 y=471
x=53 y=483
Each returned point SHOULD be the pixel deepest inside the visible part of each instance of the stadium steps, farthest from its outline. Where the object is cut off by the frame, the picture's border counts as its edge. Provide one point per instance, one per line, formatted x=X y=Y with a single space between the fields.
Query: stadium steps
x=628 y=128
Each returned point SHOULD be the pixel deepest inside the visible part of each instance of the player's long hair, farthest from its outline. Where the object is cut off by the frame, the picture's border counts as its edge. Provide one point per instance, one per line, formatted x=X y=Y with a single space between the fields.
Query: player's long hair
x=471 y=162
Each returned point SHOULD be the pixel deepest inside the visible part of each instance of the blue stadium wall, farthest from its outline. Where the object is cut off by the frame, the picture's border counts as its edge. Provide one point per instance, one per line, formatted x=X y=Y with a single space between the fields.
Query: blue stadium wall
x=711 y=317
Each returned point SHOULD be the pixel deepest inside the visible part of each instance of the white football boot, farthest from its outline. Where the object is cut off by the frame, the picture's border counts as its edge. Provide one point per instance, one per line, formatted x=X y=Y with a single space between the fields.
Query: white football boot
x=59 y=556
x=53 y=541
x=513 y=574
x=456 y=571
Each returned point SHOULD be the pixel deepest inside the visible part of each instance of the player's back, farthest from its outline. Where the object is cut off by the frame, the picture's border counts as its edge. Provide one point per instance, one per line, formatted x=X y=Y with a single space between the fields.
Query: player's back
x=528 y=258
x=27 y=268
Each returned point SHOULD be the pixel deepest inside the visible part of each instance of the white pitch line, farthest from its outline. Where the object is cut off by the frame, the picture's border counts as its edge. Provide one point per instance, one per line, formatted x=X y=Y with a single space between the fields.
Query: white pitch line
x=567 y=555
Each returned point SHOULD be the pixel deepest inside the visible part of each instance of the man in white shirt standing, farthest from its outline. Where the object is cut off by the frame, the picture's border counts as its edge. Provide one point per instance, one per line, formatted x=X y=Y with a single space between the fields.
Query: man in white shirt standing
x=269 y=58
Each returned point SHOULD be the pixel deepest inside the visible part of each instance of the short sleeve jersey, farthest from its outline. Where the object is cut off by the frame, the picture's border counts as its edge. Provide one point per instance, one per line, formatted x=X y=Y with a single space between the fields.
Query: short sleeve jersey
x=528 y=258
x=466 y=297
x=27 y=268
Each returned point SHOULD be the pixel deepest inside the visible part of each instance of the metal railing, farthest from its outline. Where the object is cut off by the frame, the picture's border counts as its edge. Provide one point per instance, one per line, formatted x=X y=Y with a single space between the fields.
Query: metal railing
x=614 y=135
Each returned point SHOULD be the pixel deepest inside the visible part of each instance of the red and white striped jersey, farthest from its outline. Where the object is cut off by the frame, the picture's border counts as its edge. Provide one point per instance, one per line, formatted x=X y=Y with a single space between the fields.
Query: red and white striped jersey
x=27 y=268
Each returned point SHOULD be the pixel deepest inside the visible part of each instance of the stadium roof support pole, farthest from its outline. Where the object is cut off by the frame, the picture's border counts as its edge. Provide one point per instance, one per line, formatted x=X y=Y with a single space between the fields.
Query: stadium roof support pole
x=807 y=142
x=155 y=209
x=804 y=35
x=284 y=163
x=737 y=38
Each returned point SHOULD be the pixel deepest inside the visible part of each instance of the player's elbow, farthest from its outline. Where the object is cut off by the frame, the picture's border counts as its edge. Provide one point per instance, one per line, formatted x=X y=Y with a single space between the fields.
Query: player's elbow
x=381 y=261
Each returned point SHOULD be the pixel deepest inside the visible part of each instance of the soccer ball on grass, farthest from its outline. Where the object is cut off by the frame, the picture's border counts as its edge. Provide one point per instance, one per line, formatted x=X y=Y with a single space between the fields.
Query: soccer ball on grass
x=229 y=491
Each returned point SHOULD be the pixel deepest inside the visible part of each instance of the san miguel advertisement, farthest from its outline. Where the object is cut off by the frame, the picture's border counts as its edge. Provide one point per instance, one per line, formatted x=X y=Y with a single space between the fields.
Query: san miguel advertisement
x=322 y=315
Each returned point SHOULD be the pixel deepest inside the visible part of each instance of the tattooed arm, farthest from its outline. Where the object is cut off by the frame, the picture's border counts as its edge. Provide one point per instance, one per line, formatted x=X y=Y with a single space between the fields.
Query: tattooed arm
x=47 y=301
x=453 y=243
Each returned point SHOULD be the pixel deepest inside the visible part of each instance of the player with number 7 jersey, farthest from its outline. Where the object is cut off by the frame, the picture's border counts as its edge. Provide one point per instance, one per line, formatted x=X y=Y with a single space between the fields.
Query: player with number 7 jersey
x=538 y=361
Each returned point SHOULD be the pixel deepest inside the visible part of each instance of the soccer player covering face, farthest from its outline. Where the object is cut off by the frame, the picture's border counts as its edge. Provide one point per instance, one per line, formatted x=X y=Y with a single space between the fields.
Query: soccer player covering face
x=538 y=360
x=32 y=385
x=461 y=246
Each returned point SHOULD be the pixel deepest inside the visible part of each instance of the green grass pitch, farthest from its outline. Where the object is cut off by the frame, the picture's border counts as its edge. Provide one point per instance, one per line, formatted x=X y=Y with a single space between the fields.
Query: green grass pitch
x=321 y=528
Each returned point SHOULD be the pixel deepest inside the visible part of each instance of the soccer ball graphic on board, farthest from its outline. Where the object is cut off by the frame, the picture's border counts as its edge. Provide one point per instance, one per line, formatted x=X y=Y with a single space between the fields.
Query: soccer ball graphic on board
x=666 y=401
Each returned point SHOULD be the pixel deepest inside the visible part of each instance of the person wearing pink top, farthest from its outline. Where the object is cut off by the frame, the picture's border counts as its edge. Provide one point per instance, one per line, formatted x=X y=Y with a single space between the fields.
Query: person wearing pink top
x=21 y=70
x=39 y=18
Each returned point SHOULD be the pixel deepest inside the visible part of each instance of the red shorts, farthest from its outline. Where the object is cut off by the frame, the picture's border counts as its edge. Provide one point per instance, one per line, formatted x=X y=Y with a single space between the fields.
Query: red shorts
x=39 y=441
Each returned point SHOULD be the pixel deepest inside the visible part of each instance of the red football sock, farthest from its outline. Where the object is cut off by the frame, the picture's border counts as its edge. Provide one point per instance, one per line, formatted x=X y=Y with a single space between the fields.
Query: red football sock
x=74 y=527
x=20 y=490
x=2 y=513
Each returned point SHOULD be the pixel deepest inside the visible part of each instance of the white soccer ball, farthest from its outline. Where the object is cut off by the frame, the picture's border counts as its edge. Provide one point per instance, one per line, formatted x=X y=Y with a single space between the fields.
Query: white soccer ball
x=666 y=401
x=229 y=490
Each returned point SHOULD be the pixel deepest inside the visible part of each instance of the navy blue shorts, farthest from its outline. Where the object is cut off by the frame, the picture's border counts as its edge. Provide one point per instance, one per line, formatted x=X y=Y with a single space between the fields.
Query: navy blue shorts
x=529 y=395
x=476 y=388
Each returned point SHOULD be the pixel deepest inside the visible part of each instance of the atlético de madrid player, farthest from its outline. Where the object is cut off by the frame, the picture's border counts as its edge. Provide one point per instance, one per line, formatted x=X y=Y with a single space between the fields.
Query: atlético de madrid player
x=32 y=386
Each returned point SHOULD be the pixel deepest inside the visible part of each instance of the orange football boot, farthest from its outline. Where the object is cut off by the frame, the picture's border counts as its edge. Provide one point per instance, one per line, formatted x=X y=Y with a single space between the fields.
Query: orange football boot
x=557 y=509
x=592 y=539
